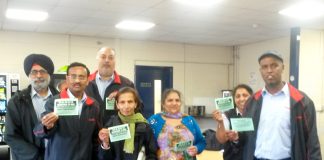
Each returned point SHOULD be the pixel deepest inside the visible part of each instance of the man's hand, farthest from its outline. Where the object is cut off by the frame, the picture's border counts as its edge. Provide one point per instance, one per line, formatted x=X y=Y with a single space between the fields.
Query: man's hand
x=49 y=120
x=112 y=95
x=104 y=137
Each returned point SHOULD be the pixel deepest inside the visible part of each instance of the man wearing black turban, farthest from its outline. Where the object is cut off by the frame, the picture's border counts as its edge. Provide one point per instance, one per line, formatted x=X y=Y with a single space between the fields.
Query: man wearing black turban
x=25 y=107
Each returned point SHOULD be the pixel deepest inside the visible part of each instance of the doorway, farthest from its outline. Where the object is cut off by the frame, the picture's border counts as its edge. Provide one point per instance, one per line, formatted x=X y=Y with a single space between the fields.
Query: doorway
x=150 y=82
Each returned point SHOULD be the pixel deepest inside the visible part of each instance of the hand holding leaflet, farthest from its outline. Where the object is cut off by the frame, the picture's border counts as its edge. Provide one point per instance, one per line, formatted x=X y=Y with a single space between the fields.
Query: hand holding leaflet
x=224 y=104
x=242 y=124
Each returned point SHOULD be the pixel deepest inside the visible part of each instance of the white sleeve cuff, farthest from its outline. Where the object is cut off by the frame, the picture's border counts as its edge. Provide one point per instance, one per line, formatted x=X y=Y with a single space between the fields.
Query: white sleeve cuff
x=104 y=148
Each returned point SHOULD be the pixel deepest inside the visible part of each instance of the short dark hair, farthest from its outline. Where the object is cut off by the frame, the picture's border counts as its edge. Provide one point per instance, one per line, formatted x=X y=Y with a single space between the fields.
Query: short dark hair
x=272 y=54
x=77 y=64
x=129 y=90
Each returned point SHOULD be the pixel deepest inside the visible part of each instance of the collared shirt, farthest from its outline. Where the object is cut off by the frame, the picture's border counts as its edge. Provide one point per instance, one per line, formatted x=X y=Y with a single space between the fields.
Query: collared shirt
x=226 y=120
x=273 y=134
x=39 y=101
x=103 y=84
x=80 y=102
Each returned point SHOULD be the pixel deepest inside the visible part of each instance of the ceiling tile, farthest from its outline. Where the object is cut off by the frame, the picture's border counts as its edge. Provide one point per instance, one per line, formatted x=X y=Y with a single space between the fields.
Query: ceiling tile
x=56 y=27
x=19 y=25
x=227 y=23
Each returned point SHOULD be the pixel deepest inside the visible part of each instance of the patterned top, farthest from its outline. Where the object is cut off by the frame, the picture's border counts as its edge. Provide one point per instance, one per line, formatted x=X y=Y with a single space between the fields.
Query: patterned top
x=169 y=137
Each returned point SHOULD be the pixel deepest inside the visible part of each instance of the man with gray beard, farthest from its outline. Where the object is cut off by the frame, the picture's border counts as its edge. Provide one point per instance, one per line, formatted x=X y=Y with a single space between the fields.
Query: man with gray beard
x=25 y=108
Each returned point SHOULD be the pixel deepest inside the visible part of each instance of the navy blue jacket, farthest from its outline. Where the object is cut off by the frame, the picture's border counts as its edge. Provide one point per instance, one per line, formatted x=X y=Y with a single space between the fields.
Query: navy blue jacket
x=72 y=137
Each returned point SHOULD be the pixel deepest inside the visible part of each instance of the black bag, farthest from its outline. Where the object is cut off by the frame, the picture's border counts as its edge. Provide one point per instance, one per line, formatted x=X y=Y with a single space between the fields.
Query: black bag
x=211 y=140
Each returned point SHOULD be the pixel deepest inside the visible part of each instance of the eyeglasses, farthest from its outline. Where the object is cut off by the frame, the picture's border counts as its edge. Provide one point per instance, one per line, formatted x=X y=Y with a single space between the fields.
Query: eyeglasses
x=105 y=57
x=35 y=72
x=80 y=77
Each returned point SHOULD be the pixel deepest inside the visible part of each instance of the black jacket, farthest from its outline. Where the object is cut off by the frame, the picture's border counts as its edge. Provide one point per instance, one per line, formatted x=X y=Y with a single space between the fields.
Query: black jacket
x=304 y=139
x=72 y=137
x=233 y=150
x=143 y=137
x=20 y=120
x=92 y=91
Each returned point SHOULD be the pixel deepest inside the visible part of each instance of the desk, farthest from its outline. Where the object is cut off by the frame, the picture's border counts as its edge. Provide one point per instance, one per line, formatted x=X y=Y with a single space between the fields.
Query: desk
x=210 y=155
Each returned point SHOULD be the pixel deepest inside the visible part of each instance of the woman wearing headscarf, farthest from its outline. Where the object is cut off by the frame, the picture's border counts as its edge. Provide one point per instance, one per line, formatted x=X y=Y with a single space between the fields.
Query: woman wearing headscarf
x=174 y=130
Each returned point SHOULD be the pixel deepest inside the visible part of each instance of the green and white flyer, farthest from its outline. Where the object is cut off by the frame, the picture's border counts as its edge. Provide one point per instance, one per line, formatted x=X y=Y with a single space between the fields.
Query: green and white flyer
x=224 y=104
x=182 y=146
x=118 y=133
x=66 y=107
x=242 y=124
x=110 y=104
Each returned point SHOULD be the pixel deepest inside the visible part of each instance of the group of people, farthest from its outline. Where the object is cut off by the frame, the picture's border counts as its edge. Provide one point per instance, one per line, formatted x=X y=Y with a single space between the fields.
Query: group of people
x=284 y=118
x=35 y=131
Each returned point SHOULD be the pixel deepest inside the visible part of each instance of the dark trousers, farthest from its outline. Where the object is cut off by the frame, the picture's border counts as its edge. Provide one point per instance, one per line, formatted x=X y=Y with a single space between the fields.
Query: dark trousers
x=269 y=159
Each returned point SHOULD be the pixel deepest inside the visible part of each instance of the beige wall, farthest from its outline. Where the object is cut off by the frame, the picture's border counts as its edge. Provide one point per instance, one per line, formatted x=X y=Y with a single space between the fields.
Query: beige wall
x=246 y=60
x=311 y=65
x=311 y=73
x=199 y=71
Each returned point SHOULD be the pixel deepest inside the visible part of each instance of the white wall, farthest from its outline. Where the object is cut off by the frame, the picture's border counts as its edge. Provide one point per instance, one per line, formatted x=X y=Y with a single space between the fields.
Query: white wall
x=311 y=65
x=246 y=61
x=199 y=71
x=15 y=46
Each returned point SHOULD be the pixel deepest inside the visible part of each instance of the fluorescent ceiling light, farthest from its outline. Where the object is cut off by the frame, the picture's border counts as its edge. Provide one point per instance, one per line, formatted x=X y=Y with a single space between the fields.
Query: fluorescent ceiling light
x=134 y=25
x=304 y=10
x=199 y=3
x=29 y=15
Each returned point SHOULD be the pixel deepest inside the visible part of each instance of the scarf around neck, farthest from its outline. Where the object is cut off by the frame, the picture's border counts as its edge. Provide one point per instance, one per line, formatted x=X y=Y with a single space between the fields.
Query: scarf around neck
x=178 y=115
x=131 y=120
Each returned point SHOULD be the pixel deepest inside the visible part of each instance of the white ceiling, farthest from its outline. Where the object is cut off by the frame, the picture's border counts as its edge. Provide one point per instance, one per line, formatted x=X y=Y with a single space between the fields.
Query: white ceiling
x=227 y=23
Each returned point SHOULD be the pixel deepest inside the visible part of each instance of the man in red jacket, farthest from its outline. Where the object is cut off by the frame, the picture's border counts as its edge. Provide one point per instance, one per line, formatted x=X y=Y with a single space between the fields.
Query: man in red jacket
x=284 y=118
x=72 y=130
x=105 y=82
